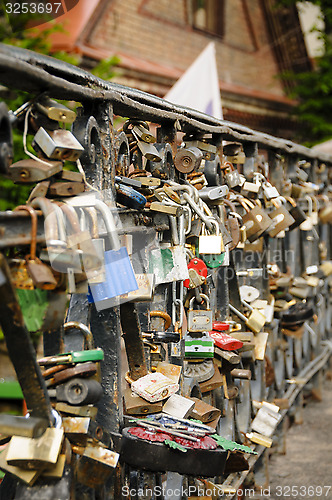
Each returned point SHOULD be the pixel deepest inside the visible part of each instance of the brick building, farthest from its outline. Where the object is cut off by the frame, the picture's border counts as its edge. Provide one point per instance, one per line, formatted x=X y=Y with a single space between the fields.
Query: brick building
x=156 y=40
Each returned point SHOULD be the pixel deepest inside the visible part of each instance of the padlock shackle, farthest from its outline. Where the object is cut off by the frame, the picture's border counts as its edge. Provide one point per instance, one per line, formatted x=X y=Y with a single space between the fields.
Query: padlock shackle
x=92 y=213
x=290 y=200
x=188 y=188
x=34 y=223
x=198 y=211
x=71 y=325
x=164 y=315
x=109 y=223
x=203 y=296
x=174 y=230
x=50 y=220
x=247 y=305
x=72 y=217
x=238 y=313
x=227 y=164
x=310 y=205
x=245 y=203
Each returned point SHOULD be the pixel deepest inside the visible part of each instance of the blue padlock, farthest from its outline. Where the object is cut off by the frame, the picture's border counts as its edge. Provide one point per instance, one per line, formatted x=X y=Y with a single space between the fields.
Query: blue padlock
x=129 y=197
x=120 y=276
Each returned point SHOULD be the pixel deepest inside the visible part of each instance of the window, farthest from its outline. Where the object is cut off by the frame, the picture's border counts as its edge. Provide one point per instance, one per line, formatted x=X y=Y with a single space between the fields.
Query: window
x=208 y=16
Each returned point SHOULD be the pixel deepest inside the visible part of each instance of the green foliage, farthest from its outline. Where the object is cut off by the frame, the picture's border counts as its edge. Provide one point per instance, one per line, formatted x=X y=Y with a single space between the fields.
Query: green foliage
x=175 y=445
x=231 y=445
x=313 y=89
x=105 y=68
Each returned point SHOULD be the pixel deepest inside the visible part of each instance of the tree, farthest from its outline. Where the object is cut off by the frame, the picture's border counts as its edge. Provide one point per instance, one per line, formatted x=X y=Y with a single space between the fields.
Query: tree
x=313 y=89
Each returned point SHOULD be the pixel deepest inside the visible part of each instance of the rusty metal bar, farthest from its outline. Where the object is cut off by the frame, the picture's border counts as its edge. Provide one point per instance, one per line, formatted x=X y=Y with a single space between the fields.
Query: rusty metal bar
x=20 y=349
x=64 y=81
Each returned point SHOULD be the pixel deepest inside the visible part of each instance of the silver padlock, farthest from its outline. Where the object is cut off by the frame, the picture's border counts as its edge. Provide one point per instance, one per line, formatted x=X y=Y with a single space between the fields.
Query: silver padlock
x=270 y=191
x=211 y=243
x=58 y=144
x=199 y=320
x=232 y=176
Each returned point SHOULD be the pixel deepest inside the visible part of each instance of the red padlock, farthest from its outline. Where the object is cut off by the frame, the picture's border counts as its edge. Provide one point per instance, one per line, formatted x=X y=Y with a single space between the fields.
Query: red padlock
x=200 y=267
x=220 y=326
x=225 y=341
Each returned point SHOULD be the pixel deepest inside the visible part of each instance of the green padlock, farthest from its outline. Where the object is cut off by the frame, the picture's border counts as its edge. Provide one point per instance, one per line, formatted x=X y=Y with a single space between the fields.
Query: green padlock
x=73 y=357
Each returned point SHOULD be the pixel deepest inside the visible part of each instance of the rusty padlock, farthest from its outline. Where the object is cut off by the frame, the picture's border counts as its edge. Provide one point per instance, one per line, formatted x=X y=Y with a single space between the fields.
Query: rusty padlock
x=40 y=273
x=256 y=220
x=281 y=217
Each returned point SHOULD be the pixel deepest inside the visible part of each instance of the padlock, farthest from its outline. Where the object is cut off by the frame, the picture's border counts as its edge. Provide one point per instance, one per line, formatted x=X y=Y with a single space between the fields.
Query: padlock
x=213 y=195
x=40 y=273
x=54 y=110
x=32 y=453
x=70 y=176
x=301 y=292
x=187 y=160
x=99 y=274
x=308 y=224
x=58 y=144
x=296 y=191
x=256 y=319
x=211 y=243
x=129 y=197
x=154 y=387
x=78 y=392
x=149 y=151
x=13 y=425
x=173 y=372
x=30 y=171
x=281 y=217
x=40 y=190
x=135 y=405
x=256 y=220
x=82 y=430
x=199 y=320
x=57 y=254
x=224 y=341
x=197 y=273
x=209 y=150
x=26 y=476
x=156 y=206
x=197 y=179
x=296 y=212
x=178 y=406
x=234 y=221
x=141 y=130
x=78 y=411
x=80 y=240
x=325 y=213
x=232 y=176
x=95 y=465
x=269 y=191
x=73 y=356
x=20 y=277
x=249 y=293
x=84 y=370
x=214 y=382
x=250 y=189
x=120 y=276
x=203 y=411
x=64 y=189
x=202 y=347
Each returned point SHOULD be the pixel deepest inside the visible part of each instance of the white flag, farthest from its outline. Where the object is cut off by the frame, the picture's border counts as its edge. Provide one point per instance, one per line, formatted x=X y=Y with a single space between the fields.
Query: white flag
x=198 y=87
